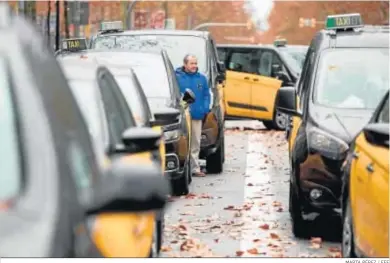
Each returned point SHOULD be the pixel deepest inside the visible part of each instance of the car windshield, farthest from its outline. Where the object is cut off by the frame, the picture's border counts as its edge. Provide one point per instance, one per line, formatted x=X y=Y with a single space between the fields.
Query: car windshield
x=292 y=60
x=176 y=46
x=133 y=98
x=10 y=157
x=352 y=78
x=86 y=96
x=298 y=54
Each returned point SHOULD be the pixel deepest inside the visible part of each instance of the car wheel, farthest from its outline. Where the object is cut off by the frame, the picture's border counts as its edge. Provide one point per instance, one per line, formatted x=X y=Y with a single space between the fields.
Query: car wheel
x=223 y=149
x=189 y=171
x=297 y=221
x=155 y=249
x=280 y=121
x=347 y=244
x=268 y=125
x=214 y=162
x=180 y=186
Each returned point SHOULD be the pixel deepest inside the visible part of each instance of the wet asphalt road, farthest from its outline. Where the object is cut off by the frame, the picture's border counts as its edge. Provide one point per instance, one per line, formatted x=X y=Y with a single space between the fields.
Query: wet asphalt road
x=244 y=211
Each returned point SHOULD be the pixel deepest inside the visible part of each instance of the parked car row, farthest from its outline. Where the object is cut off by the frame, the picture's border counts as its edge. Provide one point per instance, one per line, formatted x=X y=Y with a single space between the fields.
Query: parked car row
x=339 y=135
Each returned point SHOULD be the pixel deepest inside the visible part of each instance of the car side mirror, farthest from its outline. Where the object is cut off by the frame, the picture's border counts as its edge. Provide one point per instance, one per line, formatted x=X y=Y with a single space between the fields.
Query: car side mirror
x=377 y=134
x=165 y=116
x=286 y=101
x=221 y=67
x=139 y=139
x=130 y=188
x=189 y=96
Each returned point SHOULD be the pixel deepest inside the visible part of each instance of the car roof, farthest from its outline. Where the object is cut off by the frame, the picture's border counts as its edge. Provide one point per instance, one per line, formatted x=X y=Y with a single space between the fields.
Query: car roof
x=367 y=36
x=161 y=32
x=76 y=68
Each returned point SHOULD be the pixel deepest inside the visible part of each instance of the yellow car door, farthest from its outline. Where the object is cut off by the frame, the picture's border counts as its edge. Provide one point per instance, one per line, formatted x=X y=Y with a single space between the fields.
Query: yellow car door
x=359 y=193
x=370 y=197
x=263 y=95
x=161 y=148
x=296 y=123
x=237 y=94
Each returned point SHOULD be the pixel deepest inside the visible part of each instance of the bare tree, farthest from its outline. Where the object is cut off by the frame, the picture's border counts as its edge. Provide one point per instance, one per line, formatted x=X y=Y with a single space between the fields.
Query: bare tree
x=48 y=22
x=66 y=19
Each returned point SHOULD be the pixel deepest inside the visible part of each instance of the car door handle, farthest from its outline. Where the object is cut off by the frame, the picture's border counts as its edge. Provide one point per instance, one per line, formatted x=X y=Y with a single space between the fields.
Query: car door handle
x=370 y=168
x=246 y=78
x=355 y=155
x=255 y=79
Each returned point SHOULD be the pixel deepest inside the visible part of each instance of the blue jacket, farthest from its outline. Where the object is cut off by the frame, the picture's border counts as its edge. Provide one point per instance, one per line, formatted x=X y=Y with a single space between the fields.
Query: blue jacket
x=196 y=82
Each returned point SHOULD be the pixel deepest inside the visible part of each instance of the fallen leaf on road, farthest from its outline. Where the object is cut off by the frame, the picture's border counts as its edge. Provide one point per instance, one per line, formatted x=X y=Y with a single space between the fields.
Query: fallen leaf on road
x=190 y=196
x=174 y=242
x=280 y=209
x=239 y=224
x=237 y=214
x=264 y=227
x=315 y=242
x=256 y=240
x=253 y=251
x=276 y=203
x=239 y=253
x=182 y=227
x=274 y=236
x=215 y=227
x=229 y=207
x=166 y=249
x=336 y=255
x=249 y=184
x=334 y=249
x=187 y=245
x=216 y=240
x=188 y=213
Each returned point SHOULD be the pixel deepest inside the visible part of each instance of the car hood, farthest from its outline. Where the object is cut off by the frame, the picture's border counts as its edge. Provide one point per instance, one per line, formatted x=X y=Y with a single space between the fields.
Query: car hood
x=156 y=103
x=343 y=123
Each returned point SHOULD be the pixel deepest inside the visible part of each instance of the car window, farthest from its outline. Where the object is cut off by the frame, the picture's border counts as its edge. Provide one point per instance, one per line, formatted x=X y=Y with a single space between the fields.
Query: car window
x=116 y=122
x=222 y=53
x=10 y=155
x=79 y=165
x=176 y=46
x=352 y=78
x=133 y=98
x=294 y=58
x=244 y=61
x=155 y=85
x=383 y=116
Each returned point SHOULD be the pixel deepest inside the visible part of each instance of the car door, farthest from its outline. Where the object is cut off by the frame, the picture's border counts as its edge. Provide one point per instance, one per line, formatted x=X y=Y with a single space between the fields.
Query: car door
x=220 y=86
x=264 y=86
x=377 y=189
x=239 y=80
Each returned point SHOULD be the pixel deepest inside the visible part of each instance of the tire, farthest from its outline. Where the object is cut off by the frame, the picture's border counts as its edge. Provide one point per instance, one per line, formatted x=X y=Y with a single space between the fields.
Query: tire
x=223 y=149
x=155 y=249
x=268 y=125
x=214 y=162
x=280 y=121
x=181 y=186
x=298 y=223
x=189 y=171
x=347 y=242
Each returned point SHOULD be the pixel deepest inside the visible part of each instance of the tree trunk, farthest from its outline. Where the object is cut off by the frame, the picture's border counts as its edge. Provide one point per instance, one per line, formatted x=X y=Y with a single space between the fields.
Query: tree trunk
x=66 y=19
x=48 y=22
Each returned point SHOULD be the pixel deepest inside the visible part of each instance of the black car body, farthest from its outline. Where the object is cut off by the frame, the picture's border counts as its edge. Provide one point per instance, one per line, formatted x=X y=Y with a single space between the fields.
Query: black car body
x=177 y=44
x=51 y=185
x=330 y=105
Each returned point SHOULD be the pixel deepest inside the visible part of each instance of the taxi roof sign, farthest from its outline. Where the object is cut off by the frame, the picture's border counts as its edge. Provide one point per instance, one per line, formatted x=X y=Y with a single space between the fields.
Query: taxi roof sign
x=344 y=21
x=74 y=44
x=111 y=25
x=281 y=42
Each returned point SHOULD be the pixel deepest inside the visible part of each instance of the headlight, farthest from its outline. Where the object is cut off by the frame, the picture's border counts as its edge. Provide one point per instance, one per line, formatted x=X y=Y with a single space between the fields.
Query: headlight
x=326 y=144
x=171 y=135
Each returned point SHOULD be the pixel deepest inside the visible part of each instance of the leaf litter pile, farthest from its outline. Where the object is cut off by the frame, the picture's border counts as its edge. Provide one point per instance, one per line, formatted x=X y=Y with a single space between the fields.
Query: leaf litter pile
x=267 y=237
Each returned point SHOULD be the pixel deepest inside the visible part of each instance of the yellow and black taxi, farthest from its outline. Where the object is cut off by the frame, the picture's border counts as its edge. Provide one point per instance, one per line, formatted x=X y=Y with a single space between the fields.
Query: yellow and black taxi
x=344 y=77
x=177 y=44
x=116 y=136
x=254 y=75
x=72 y=45
x=54 y=199
x=297 y=52
x=365 y=195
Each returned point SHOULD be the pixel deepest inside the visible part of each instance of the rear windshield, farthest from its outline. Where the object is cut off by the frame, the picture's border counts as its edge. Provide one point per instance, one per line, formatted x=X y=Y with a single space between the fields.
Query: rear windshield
x=10 y=156
x=177 y=46
x=352 y=78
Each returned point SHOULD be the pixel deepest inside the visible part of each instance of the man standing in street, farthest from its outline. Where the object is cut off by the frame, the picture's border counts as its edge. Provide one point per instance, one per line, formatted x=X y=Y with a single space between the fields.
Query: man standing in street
x=188 y=77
